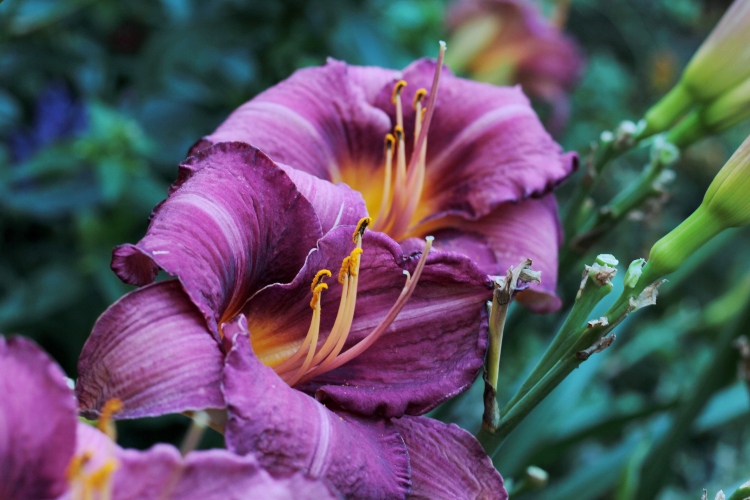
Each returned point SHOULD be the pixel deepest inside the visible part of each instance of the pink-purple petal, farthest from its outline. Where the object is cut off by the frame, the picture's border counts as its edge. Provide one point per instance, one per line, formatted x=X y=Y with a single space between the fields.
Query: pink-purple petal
x=334 y=204
x=316 y=121
x=151 y=350
x=37 y=422
x=235 y=225
x=431 y=352
x=289 y=431
x=161 y=473
x=447 y=462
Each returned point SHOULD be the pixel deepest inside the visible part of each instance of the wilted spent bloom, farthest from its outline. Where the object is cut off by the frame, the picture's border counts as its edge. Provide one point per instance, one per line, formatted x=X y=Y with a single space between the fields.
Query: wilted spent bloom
x=726 y=204
x=721 y=63
x=509 y=41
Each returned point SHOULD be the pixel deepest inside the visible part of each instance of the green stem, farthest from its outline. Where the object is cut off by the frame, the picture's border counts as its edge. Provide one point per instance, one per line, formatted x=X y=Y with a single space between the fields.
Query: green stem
x=591 y=295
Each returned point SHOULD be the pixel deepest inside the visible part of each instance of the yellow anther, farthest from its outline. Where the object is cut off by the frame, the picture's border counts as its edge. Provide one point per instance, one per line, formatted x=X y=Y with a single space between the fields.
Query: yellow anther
x=421 y=93
x=397 y=90
x=344 y=272
x=101 y=478
x=319 y=278
x=361 y=226
x=76 y=465
x=389 y=141
x=354 y=261
x=105 y=423
x=399 y=132
x=316 y=293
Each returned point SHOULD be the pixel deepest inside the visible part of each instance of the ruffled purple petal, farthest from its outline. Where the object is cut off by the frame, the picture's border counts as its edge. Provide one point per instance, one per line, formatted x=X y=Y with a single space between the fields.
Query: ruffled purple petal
x=37 y=422
x=448 y=462
x=151 y=350
x=513 y=232
x=486 y=145
x=161 y=473
x=235 y=224
x=289 y=431
x=317 y=121
x=431 y=352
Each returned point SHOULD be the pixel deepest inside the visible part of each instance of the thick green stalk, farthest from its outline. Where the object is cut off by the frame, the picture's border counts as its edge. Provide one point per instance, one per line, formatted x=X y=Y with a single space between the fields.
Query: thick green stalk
x=590 y=295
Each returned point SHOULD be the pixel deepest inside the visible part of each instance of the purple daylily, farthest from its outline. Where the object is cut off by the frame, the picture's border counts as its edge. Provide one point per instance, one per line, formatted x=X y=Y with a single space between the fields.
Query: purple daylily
x=415 y=338
x=509 y=41
x=481 y=180
x=46 y=453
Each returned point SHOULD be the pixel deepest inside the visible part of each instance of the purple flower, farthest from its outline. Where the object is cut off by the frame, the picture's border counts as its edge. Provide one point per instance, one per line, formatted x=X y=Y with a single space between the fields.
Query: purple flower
x=480 y=183
x=46 y=453
x=396 y=337
x=510 y=41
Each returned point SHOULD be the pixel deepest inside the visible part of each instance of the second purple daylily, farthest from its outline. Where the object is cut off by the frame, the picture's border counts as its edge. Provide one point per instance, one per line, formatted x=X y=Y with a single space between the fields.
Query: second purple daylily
x=46 y=453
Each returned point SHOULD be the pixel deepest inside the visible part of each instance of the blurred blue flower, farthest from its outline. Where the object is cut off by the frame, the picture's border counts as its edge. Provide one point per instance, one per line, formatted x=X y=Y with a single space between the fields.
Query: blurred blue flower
x=58 y=114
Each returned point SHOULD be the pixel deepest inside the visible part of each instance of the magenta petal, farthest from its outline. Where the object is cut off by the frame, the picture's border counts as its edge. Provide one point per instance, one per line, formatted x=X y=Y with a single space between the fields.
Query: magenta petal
x=289 y=431
x=431 y=352
x=234 y=225
x=530 y=229
x=151 y=349
x=317 y=121
x=448 y=462
x=161 y=473
x=334 y=204
x=37 y=422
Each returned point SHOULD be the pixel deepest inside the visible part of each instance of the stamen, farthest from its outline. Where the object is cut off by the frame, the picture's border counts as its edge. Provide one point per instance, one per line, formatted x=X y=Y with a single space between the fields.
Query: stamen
x=101 y=479
x=360 y=230
x=105 y=423
x=323 y=273
x=421 y=93
x=364 y=344
x=315 y=302
x=344 y=272
x=385 y=201
x=311 y=339
x=416 y=171
x=402 y=195
x=397 y=89
x=76 y=465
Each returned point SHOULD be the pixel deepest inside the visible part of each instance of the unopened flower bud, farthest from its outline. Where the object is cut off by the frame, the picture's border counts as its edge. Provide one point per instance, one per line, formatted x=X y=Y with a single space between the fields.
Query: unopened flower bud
x=726 y=204
x=721 y=63
x=727 y=110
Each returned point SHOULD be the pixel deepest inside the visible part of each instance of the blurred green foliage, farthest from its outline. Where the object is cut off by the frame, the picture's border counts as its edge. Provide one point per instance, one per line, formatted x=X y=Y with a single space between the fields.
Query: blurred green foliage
x=99 y=102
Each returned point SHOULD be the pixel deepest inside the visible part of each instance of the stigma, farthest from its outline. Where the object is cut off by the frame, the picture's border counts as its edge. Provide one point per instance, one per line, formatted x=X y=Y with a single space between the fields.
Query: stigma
x=310 y=359
x=402 y=189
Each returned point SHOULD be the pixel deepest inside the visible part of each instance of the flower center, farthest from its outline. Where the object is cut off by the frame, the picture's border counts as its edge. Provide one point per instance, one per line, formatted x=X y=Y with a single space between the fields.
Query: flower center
x=401 y=192
x=86 y=482
x=309 y=360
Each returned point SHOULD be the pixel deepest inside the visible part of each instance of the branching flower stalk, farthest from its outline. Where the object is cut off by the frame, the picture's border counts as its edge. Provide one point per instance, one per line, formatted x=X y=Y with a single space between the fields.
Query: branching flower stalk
x=650 y=184
x=610 y=146
x=725 y=205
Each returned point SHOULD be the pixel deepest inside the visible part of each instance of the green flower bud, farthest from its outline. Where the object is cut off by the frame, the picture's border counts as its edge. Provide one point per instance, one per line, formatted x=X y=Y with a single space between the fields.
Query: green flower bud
x=721 y=63
x=726 y=204
x=727 y=110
